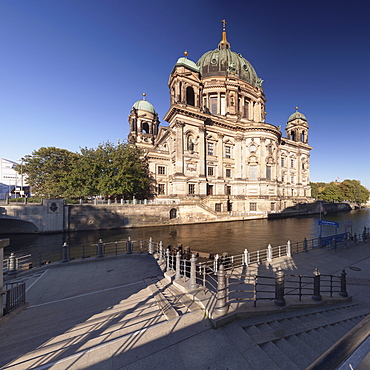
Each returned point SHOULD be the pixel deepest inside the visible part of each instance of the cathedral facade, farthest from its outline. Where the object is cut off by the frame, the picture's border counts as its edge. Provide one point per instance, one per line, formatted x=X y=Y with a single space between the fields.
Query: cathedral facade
x=217 y=150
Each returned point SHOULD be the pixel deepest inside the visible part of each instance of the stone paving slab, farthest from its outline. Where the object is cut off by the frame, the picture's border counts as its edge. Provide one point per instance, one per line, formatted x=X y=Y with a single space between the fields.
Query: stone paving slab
x=103 y=316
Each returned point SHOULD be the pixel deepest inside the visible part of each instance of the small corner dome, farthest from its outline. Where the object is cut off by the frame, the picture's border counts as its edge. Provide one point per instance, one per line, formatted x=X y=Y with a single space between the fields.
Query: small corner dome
x=144 y=105
x=183 y=61
x=297 y=115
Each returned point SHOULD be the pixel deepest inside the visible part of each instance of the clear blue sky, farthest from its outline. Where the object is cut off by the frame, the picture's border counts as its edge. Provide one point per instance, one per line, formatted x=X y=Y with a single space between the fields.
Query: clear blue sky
x=70 y=70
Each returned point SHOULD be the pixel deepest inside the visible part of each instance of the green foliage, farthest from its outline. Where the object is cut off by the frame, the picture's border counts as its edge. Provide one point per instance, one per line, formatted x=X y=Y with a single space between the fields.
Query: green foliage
x=348 y=190
x=106 y=170
x=47 y=169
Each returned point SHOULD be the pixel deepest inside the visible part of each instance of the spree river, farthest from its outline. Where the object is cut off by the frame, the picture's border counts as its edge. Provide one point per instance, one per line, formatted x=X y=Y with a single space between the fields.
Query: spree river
x=232 y=237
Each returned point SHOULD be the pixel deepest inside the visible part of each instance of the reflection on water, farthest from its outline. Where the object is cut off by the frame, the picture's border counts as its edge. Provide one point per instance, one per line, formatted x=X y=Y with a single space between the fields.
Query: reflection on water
x=232 y=237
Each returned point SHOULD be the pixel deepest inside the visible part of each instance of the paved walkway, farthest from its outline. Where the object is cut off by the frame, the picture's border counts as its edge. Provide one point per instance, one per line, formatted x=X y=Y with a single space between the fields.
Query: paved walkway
x=104 y=315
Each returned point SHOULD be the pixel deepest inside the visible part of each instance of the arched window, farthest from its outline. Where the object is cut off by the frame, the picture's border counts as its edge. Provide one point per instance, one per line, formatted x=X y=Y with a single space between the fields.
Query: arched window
x=190 y=99
x=145 y=127
x=173 y=213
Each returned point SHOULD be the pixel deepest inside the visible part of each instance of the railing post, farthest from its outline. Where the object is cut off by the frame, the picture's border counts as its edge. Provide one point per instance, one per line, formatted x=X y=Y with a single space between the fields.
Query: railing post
x=316 y=286
x=269 y=253
x=150 y=247
x=215 y=266
x=279 y=288
x=288 y=249
x=100 y=249
x=178 y=262
x=193 y=273
x=343 y=284
x=161 y=251
x=221 y=298
x=65 y=252
x=245 y=257
x=129 y=246
x=320 y=241
x=305 y=245
x=12 y=264
x=167 y=260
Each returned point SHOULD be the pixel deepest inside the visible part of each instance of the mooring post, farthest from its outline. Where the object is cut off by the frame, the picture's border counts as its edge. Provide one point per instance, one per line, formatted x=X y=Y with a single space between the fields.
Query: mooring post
x=129 y=246
x=100 y=249
x=12 y=264
x=65 y=252
x=279 y=287
x=305 y=245
x=343 y=284
x=215 y=263
x=221 y=297
x=193 y=273
x=150 y=247
x=316 y=286
x=178 y=262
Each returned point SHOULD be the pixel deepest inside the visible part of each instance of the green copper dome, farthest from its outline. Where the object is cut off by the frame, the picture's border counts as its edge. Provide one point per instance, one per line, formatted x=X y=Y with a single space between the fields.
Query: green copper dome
x=297 y=115
x=183 y=61
x=223 y=62
x=144 y=105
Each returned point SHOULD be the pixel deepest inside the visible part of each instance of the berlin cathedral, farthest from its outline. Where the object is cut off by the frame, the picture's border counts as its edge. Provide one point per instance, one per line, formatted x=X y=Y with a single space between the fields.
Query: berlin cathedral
x=217 y=149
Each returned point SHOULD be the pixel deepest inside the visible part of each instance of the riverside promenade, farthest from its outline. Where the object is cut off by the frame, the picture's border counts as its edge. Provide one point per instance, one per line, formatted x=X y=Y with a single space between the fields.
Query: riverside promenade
x=109 y=315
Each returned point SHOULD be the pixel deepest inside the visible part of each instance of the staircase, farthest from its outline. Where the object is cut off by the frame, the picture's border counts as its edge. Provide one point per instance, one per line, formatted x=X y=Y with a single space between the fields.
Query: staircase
x=170 y=300
x=295 y=339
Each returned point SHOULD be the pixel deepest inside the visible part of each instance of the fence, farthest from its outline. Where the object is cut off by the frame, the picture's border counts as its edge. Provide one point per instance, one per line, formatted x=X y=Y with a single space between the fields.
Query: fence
x=15 y=296
x=66 y=253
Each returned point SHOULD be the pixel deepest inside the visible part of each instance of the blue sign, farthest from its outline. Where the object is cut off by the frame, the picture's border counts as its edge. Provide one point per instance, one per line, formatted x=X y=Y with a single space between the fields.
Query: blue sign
x=328 y=223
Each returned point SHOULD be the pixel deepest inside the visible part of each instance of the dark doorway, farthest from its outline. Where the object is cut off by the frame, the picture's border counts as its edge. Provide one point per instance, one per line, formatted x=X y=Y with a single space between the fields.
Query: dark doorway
x=173 y=213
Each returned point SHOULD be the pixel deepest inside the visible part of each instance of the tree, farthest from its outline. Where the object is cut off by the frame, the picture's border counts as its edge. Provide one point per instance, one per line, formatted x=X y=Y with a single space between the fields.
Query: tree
x=47 y=170
x=110 y=170
x=353 y=191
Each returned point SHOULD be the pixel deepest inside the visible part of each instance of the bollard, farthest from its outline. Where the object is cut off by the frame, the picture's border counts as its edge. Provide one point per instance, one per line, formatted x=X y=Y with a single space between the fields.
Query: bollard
x=245 y=257
x=150 y=249
x=316 y=286
x=305 y=245
x=221 y=297
x=269 y=253
x=100 y=249
x=193 y=273
x=288 y=249
x=129 y=246
x=12 y=265
x=65 y=253
x=343 y=284
x=279 y=288
x=178 y=262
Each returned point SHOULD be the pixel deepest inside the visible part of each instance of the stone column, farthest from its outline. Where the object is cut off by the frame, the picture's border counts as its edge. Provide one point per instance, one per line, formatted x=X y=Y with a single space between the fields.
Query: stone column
x=202 y=151
x=220 y=156
x=179 y=148
x=3 y=243
x=238 y=155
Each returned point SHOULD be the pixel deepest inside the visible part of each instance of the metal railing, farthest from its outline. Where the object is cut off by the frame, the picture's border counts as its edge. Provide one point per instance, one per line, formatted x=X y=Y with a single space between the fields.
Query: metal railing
x=15 y=296
x=67 y=253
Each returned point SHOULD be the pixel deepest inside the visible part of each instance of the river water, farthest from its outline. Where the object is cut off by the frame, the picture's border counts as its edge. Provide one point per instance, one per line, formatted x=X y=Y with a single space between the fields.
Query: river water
x=232 y=237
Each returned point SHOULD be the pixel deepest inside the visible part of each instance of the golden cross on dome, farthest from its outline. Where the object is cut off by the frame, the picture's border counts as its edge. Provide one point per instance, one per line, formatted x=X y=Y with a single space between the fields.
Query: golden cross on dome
x=224 y=23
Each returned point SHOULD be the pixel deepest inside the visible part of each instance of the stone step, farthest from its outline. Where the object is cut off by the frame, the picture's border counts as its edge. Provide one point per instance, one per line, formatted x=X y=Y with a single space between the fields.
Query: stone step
x=296 y=356
x=281 y=360
x=309 y=352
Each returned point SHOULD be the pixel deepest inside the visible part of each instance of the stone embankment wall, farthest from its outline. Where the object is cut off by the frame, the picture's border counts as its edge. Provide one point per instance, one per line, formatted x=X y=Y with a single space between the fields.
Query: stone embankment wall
x=92 y=217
